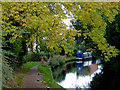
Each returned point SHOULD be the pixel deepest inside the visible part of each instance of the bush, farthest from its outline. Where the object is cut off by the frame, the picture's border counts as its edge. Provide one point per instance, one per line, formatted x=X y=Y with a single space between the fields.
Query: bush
x=32 y=56
x=56 y=61
x=45 y=55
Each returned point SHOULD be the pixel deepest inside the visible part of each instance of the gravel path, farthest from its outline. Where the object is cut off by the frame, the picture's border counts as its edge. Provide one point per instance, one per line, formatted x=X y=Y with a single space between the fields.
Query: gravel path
x=33 y=79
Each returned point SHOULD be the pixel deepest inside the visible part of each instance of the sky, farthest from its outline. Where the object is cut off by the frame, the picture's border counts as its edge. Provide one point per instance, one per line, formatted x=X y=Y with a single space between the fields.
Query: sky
x=67 y=22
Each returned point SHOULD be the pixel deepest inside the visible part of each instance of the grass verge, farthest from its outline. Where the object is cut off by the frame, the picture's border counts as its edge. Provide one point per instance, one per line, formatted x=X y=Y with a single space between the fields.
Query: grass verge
x=48 y=76
x=29 y=65
x=68 y=58
x=19 y=80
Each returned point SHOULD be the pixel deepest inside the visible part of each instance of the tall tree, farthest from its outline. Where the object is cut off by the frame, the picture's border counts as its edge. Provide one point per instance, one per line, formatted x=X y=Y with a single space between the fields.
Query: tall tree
x=80 y=42
x=41 y=21
x=44 y=20
x=110 y=78
x=96 y=15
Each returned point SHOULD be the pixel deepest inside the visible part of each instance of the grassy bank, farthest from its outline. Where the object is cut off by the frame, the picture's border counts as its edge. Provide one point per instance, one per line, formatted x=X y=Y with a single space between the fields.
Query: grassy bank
x=68 y=58
x=48 y=76
x=29 y=65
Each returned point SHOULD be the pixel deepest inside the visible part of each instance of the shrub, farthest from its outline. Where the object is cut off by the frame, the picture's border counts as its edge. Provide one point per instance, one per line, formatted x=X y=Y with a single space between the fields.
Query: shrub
x=32 y=56
x=56 y=60
x=45 y=55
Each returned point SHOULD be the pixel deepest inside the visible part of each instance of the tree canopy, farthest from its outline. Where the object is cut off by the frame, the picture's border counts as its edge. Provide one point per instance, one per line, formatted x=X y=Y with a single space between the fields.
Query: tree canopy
x=43 y=21
x=94 y=18
x=40 y=21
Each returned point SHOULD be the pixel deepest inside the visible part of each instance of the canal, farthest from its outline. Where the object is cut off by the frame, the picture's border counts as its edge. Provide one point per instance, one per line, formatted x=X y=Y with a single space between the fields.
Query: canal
x=70 y=76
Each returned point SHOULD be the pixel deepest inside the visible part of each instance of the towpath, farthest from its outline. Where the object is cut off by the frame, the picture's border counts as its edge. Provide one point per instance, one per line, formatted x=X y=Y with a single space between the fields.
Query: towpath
x=33 y=79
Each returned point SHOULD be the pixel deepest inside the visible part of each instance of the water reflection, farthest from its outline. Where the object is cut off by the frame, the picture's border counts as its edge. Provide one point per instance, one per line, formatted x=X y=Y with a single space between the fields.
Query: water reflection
x=71 y=77
x=79 y=66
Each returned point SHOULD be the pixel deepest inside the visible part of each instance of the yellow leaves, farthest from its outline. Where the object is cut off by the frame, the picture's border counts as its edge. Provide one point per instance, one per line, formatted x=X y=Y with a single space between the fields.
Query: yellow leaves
x=79 y=34
x=20 y=36
x=21 y=9
x=11 y=14
x=50 y=24
x=24 y=24
x=85 y=35
x=98 y=38
x=115 y=11
x=12 y=40
x=107 y=58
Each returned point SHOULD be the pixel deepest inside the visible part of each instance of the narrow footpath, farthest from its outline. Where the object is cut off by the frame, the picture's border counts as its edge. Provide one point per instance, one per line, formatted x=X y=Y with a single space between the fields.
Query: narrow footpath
x=33 y=79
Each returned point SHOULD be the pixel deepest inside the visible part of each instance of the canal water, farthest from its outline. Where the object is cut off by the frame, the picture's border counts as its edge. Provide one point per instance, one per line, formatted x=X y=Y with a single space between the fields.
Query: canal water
x=70 y=76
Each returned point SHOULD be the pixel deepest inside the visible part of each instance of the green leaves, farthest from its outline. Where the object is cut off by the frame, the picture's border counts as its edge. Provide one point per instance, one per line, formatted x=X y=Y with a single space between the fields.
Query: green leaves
x=44 y=20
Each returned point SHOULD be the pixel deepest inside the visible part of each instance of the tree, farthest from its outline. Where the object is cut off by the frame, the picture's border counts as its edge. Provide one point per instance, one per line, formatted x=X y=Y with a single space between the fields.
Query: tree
x=110 y=78
x=44 y=20
x=40 y=21
x=6 y=60
x=113 y=32
x=95 y=15
x=80 y=42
